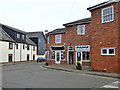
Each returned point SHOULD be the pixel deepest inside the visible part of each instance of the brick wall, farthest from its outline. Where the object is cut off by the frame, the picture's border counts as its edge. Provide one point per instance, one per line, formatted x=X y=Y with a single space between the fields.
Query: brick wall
x=104 y=35
x=52 y=42
x=72 y=39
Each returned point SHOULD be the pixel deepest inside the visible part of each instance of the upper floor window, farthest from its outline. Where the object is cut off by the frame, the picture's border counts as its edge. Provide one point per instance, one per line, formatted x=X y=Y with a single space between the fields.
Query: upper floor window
x=23 y=46
x=18 y=35
x=107 y=51
x=33 y=48
x=16 y=46
x=10 y=45
x=80 y=29
x=107 y=14
x=23 y=37
x=28 y=47
x=48 y=40
x=58 y=38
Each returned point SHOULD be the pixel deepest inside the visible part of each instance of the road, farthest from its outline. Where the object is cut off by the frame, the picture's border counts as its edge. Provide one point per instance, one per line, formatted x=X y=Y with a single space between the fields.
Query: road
x=33 y=75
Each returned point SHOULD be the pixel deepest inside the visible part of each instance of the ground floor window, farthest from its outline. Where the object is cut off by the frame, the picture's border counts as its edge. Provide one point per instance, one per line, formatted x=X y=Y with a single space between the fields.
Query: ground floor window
x=62 y=55
x=53 y=55
x=86 y=55
x=83 y=56
x=107 y=51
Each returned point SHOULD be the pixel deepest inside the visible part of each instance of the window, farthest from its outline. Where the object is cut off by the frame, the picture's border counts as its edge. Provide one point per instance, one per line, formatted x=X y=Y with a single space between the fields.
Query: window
x=23 y=46
x=80 y=29
x=39 y=40
x=48 y=40
x=28 y=48
x=86 y=55
x=107 y=14
x=107 y=51
x=78 y=56
x=33 y=48
x=62 y=55
x=10 y=45
x=58 y=38
x=16 y=46
x=18 y=35
x=53 y=55
x=23 y=37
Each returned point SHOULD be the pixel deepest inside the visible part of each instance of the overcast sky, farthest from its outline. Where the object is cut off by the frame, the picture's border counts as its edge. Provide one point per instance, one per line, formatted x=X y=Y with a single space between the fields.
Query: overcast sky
x=40 y=15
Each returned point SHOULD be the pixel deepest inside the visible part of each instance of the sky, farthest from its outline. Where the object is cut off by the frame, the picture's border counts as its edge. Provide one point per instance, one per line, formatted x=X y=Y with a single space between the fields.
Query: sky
x=40 y=15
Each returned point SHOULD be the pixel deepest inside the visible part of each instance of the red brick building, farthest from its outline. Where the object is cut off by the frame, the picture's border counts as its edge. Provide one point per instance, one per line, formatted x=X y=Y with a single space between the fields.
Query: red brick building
x=91 y=41
x=77 y=42
x=56 y=46
x=105 y=29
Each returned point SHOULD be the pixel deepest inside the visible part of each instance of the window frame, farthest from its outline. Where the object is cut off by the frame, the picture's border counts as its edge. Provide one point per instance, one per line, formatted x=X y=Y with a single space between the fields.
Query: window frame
x=108 y=14
x=10 y=45
x=79 y=30
x=18 y=34
x=56 y=38
x=28 y=47
x=107 y=54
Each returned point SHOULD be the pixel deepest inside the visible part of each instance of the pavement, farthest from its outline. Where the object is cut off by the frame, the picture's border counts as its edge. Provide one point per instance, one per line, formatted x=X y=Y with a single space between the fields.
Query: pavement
x=71 y=68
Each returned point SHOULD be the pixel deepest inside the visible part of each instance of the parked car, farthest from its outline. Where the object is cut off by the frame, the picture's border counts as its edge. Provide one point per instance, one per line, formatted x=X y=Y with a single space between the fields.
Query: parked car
x=41 y=59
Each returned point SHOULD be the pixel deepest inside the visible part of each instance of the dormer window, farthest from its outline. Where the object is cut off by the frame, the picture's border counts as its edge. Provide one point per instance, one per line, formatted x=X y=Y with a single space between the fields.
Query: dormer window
x=23 y=37
x=107 y=14
x=18 y=35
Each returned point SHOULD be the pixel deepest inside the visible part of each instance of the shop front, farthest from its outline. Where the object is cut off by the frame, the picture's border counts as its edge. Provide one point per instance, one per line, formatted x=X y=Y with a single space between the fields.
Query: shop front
x=70 y=54
x=57 y=53
x=83 y=54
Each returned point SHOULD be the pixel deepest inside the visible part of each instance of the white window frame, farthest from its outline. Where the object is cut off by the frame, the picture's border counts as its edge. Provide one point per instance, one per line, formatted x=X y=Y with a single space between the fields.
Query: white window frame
x=107 y=51
x=56 y=38
x=108 y=14
x=79 y=30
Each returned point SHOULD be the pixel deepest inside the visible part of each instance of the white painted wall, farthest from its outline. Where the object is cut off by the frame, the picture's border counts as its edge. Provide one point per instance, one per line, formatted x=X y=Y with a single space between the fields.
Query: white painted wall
x=5 y=51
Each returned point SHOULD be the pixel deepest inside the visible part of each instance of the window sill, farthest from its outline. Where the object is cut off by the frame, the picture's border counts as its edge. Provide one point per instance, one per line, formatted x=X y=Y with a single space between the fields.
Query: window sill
x=86 y=60
x=107 y=54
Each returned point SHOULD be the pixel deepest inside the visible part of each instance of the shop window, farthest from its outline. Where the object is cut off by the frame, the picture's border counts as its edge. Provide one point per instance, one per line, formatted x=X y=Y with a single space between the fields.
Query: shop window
x=86 y=55
x=53 y=55
x=79 y=56
x=107 y=14
x=107 y=51
x=80 y=29
x=62 y=55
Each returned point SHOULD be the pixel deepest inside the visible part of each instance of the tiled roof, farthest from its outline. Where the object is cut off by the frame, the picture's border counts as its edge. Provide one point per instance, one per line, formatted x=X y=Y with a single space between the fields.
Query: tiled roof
x=34 y=34
x=78 y=22
x=57 y=31
x=29 y=41
x=14 y=29
x=4 y=36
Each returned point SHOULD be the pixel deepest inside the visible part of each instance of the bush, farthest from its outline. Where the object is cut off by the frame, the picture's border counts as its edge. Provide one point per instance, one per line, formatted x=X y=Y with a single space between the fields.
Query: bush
x=78 y=64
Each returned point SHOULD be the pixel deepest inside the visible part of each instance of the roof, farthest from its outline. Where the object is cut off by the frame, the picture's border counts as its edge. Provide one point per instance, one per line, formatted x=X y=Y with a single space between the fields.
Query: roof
x=34 y=34
x=29 y=41
x=102 y=4
x=4 y=36
x=57 y=31
x=78 y=22
x=14 y=29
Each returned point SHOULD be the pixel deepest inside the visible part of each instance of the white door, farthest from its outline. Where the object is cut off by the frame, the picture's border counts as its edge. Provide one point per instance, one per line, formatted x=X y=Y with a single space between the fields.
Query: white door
x=79 y=57
x=57 y=57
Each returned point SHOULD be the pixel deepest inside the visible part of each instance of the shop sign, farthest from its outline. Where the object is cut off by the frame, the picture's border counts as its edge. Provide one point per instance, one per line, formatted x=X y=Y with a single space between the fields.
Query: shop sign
x=70 y=48
x=82 y=48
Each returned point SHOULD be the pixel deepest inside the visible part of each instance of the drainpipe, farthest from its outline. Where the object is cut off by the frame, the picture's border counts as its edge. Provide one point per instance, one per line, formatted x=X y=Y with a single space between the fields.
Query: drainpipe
x=31 y=52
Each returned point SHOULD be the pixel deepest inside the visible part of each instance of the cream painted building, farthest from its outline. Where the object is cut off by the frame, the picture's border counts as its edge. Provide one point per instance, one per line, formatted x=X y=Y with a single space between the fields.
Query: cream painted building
x=15 y=46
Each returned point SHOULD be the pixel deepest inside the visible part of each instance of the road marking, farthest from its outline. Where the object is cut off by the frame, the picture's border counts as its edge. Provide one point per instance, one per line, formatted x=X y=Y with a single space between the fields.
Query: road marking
x=112 y=85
